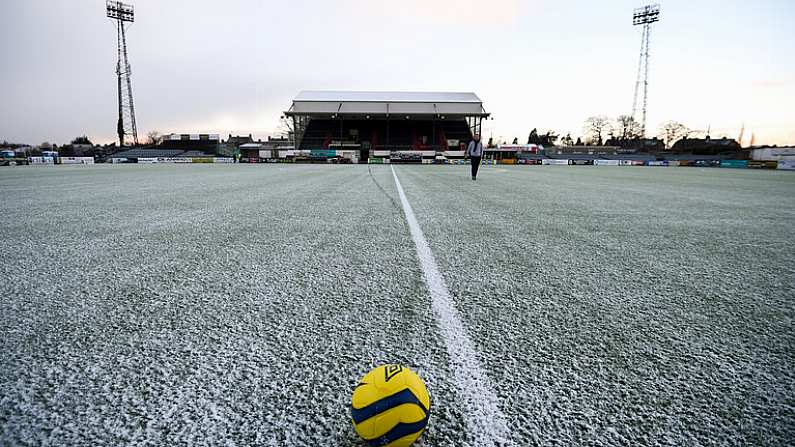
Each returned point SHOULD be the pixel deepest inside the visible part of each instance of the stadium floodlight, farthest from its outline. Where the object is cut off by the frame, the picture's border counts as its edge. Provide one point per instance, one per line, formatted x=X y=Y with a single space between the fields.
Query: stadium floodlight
x=123 y=14
x=646 y=15
x=120 y=11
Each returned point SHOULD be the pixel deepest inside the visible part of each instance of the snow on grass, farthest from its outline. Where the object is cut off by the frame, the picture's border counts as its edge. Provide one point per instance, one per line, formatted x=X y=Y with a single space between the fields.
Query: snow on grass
x=239 y=304
x=206 y=305
x=483 y=417
x=623 y=306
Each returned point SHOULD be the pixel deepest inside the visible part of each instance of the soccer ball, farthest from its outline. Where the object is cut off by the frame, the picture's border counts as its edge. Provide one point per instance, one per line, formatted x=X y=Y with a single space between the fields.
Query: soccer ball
x=390 y=406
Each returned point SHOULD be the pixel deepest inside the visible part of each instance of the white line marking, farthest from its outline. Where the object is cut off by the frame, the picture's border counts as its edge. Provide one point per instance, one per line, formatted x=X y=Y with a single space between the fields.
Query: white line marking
x=482 y=412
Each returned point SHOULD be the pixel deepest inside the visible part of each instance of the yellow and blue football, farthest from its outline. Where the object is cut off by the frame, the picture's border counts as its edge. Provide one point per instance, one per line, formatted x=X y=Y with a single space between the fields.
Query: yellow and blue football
x=390 y=406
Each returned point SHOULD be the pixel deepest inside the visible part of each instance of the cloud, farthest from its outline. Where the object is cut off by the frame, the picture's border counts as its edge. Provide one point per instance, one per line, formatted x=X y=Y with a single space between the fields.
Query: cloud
x=439 y=12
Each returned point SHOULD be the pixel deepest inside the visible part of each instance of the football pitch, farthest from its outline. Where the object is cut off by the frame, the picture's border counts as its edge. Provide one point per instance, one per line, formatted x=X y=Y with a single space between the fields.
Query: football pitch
x=240 y=304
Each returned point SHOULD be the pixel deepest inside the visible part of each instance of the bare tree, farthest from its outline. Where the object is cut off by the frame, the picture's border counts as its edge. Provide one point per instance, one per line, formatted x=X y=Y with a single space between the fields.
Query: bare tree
x=154 y=137
x=286 y=128
x=673 y=131
x=627 y=128
x=596 y=127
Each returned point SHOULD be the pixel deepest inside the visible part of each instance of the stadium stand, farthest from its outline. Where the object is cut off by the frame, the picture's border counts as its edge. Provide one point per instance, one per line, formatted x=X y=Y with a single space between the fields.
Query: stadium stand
x=692 y=157
x=148 y=153
x=191 y=154
x=397 y=135
x=207 y=144
x=632 y=157
x=384 y=124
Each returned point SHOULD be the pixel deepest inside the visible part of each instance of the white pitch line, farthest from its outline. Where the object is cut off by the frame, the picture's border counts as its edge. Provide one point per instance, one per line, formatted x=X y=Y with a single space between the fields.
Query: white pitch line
x=482 y=412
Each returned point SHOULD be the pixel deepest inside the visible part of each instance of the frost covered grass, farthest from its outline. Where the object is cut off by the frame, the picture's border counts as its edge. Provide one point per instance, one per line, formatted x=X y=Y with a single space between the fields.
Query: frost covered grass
x=207 y=305
x=621 y=306
x=240 y=304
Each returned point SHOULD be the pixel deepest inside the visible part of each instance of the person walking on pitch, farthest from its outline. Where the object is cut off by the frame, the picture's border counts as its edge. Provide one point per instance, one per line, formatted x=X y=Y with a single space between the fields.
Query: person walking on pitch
x=475 y=153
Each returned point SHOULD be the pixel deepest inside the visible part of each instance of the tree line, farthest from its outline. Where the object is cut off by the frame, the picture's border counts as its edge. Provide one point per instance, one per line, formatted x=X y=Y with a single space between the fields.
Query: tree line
x=601 y=130
x=625 y=128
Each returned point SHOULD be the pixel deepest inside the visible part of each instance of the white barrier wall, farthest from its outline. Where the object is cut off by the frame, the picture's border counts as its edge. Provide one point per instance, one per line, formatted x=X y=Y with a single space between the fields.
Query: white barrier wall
x=174 y=160
x=606 y=162
x=351 y=155
x=454 y=153
x=263 y=153
x=786 y=165
x=77 y=160
x=153 y=160
x=532 y=148
x=778 y=153
x=548 y=161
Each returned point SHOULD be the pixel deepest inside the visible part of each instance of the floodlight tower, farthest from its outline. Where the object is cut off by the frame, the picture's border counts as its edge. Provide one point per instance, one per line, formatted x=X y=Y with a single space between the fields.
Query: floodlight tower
x=122 y=14
x=644 y=16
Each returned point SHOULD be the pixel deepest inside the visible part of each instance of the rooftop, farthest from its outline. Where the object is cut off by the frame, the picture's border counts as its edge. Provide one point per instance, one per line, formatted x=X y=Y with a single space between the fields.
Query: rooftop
x=359 y=96
x=335 y=103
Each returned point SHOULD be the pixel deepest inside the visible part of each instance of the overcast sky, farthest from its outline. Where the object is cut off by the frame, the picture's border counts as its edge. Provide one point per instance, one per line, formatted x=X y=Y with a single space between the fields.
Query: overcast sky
x=233 y=66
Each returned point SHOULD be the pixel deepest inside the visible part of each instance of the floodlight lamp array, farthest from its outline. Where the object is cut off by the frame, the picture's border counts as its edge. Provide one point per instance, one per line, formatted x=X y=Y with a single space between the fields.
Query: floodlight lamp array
x=646 y=15
x=120 y=11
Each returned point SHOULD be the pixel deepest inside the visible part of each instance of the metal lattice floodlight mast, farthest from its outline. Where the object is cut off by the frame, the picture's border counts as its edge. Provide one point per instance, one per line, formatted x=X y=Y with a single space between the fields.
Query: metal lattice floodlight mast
x=121 y=14
x=644 y=16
